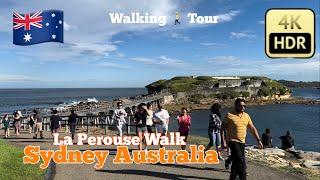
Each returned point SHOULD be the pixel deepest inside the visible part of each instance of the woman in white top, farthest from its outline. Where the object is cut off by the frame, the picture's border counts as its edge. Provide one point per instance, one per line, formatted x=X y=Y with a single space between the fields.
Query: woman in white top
x=161 y=117
x=149 y=118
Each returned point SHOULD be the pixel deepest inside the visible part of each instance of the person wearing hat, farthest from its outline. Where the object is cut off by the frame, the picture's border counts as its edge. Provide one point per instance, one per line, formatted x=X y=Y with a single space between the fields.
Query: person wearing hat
x=214 y=129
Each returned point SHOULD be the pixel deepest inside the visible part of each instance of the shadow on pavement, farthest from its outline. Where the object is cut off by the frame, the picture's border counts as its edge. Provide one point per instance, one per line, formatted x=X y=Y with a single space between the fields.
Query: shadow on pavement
x=153 y=174
x=192 y=167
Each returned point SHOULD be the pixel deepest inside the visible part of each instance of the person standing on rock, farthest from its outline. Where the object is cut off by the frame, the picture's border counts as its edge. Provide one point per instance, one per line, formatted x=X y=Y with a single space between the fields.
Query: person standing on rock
x=215 y=128
x=267 y=139
x=118 y=117
x=236 y=124
x=73 y=119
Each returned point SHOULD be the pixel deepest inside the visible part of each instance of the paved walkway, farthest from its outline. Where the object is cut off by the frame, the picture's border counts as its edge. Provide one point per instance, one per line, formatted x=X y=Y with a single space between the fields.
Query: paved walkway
x=140 y=172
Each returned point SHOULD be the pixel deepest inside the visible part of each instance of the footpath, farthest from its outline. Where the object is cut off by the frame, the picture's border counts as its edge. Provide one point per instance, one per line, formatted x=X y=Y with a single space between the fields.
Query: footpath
x=139 y=171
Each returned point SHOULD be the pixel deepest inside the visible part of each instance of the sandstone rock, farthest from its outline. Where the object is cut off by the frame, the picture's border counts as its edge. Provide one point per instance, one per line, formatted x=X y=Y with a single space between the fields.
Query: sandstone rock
x=308 y=155
x=294 y=165
x=311 y=164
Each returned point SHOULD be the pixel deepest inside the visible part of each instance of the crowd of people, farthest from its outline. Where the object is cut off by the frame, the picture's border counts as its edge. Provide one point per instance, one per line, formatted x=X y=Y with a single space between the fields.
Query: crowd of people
x=224 y=133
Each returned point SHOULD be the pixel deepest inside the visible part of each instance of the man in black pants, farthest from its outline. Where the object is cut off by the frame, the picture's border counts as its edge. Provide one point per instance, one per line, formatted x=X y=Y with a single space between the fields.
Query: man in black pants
x=73 y=123
x=236 y=124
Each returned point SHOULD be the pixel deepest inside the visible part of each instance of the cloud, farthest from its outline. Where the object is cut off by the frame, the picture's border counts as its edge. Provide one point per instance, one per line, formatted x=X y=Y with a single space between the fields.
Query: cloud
x=226 y=17
x=261 y=22
x=177 y=36
x=68 y=27
x=291 y=69
x=242 y=34
x=169 y=61
x=16 y=78
x=113 y=65
x=222 y=59
x=211 y=45
x=89 y=35
x=162 y=60
x=144 y=60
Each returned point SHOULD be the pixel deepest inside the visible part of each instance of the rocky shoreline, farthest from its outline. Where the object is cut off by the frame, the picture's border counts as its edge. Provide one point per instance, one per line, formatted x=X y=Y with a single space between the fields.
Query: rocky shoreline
x=306 y=163
x=207 y=102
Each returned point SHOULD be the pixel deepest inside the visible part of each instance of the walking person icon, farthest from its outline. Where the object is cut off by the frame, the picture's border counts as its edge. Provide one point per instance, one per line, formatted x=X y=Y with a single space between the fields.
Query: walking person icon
x=177 y=19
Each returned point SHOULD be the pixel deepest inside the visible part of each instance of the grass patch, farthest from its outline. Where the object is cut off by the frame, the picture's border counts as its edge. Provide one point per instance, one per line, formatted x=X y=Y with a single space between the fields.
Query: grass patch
x=309 y=174
x=12 y=167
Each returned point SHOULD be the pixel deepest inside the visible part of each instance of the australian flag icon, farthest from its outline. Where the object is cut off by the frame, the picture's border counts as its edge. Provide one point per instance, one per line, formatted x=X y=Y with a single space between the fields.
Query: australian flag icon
x=38 y=27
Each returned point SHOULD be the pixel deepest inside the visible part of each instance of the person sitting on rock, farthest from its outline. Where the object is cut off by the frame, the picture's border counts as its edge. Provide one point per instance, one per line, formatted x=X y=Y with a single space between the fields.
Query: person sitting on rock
x=287 y=142
x=267 y=139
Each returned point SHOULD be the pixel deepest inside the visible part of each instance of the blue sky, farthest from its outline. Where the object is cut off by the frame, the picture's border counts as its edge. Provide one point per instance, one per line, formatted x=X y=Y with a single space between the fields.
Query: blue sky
x=97 y=53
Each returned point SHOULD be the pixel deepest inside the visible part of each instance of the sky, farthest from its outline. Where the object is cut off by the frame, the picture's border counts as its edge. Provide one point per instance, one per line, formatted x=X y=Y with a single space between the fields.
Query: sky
x=97 y=53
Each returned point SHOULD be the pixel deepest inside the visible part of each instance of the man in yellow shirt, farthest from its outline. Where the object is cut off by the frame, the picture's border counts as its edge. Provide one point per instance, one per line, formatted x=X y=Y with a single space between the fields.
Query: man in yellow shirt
x=236 y=124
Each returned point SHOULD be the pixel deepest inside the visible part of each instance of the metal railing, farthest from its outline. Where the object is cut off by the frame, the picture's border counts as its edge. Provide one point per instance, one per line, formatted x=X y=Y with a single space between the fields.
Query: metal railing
x=84 y=122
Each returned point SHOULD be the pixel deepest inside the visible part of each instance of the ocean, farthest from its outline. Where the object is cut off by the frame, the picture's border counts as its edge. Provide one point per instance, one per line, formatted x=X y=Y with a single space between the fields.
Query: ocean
x=19 y=99
x=302 y=120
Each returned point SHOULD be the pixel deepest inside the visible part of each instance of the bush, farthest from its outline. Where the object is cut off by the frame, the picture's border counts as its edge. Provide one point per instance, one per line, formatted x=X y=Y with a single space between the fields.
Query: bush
x=195 y=98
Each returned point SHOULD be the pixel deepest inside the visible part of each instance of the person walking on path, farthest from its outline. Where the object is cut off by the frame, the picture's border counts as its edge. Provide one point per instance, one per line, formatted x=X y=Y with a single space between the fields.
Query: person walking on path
x=17 y=122
x=30 y=123
x=6 y=125
x=214 y=129
x=118 y=117
x=149 y=118
x=184 y=121
x=236 y=124
x=55 y=122
x=287 y=142
x=73 y=119
x=38 y=128
x=161 y=117
x=140 y=118
x=267 y=139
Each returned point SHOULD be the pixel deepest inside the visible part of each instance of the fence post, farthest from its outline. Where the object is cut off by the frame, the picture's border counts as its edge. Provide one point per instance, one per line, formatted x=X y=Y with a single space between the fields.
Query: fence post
x=87 y=125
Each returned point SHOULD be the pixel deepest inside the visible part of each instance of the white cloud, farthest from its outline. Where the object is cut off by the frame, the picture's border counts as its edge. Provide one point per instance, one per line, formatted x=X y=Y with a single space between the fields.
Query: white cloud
x=68 y=27
x=145 y=60
x=112 y=65
x=162 y=60
x=222 y=59
x=261 y=22
x=242 y=34
x=228 y=16
x=210 y=44
x=169 y=61
x=177 y=36
x=16 y=78
x=92 y=33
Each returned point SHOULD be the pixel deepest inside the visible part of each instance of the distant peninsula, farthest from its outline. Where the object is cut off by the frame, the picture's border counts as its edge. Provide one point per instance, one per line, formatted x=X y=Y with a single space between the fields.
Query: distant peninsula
x=222 y=87
x=300 y=84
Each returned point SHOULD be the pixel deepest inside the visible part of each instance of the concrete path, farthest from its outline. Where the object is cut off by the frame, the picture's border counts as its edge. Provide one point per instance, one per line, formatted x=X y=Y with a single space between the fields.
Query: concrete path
x=140 y=172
